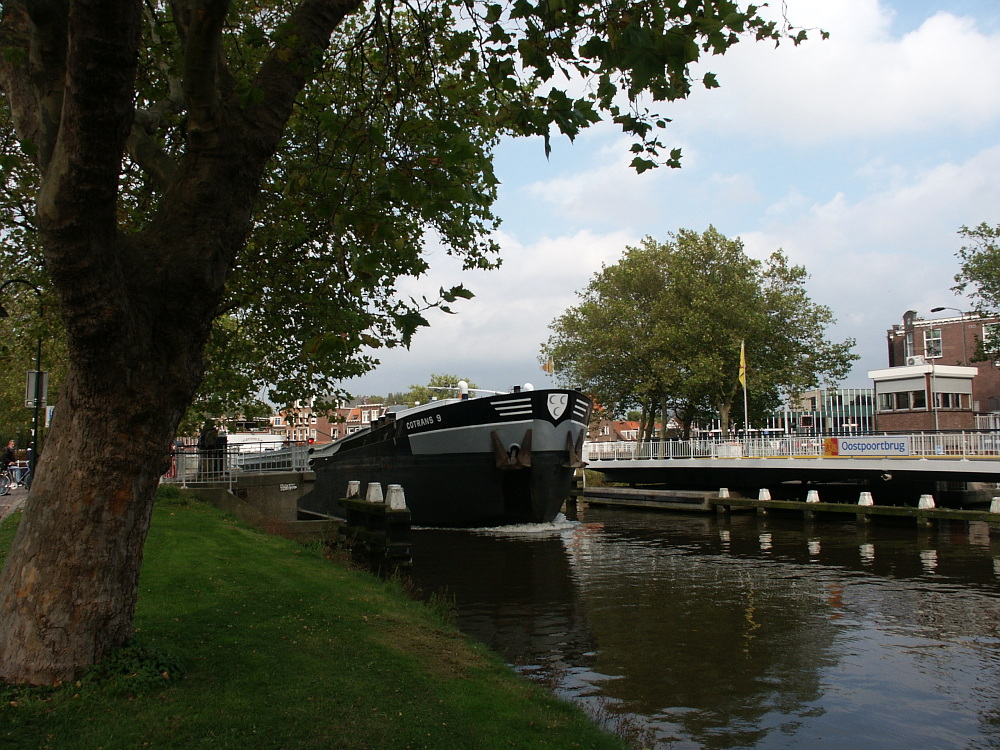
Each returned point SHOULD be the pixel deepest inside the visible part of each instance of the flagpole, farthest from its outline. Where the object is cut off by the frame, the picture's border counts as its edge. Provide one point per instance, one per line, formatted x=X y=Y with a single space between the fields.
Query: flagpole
x=743 y=380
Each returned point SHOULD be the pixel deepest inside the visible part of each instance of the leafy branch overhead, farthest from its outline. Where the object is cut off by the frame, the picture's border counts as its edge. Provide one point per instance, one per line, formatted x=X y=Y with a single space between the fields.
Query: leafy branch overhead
x=387 y=151
x=221 y=196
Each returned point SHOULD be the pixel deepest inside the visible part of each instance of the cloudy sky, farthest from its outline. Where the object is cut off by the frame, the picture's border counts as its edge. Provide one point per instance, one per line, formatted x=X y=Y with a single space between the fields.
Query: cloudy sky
x=860 y=156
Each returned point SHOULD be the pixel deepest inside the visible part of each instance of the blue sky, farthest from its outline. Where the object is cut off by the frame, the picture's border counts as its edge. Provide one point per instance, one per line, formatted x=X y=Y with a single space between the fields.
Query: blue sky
x=860 y=156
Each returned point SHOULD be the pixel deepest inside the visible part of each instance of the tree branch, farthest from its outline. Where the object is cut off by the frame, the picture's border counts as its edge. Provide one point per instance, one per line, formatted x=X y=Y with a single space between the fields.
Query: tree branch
x=293 y=60
x=202 y=48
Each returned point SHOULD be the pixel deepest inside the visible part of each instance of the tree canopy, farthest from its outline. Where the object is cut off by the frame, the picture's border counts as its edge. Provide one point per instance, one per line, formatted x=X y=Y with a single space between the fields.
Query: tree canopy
x=217 y=195
x=979 y=278
x=663 y=329
x=386 y=152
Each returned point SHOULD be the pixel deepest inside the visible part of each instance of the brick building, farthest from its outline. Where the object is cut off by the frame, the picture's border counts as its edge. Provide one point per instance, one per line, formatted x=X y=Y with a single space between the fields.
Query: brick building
x=302 y=423
x=932 y=381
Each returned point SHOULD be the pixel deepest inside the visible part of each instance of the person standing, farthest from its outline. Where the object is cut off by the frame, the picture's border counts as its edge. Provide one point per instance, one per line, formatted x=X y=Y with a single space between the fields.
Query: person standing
x=10 y=463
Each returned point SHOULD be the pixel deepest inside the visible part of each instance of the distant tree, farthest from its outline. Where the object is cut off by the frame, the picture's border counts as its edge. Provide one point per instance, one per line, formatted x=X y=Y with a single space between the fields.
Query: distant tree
x=979 y=279
x=438 y=386
x=663 y=328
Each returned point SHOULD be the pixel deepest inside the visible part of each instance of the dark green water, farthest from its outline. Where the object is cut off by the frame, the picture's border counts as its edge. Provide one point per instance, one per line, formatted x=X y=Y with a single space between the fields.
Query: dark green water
x=695 y=632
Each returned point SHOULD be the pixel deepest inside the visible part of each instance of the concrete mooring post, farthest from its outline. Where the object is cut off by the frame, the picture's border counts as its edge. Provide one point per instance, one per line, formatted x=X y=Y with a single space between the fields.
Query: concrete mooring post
x=377 y=532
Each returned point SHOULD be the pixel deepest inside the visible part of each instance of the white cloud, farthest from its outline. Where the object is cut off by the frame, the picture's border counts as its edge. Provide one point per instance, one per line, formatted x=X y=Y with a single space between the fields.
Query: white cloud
x=495 y=338
x=860 y=81
x=873 y=258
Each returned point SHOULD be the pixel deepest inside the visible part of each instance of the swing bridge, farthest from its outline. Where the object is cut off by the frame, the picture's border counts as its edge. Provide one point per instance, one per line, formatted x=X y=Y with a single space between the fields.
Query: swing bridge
x=916 y=458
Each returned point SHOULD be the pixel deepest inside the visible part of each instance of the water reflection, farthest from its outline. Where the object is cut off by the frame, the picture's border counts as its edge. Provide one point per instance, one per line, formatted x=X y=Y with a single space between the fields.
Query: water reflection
x=743 y=631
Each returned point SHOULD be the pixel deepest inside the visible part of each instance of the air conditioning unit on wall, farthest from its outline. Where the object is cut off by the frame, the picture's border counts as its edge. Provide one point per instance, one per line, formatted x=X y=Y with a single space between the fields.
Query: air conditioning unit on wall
x=916 y=359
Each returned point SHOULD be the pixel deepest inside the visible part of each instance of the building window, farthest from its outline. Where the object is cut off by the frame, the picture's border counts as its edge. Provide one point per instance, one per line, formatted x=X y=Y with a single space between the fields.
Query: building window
x=885 y=402
x=951 y=400
x=908 y=346
x=918 y=399
x=932 y=342
x=903 y=400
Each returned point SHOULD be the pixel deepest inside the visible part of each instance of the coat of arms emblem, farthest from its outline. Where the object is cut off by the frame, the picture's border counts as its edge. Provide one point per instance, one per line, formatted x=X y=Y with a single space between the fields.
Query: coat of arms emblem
x=557 y=404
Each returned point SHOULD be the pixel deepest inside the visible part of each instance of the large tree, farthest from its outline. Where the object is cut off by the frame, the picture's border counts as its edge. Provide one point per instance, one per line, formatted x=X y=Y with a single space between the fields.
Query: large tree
x=664 y=327
x=273 y=166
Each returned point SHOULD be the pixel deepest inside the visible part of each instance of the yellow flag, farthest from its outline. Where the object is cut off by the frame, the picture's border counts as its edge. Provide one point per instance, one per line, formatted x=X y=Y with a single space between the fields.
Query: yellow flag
x=743 y=363
x=549 y=367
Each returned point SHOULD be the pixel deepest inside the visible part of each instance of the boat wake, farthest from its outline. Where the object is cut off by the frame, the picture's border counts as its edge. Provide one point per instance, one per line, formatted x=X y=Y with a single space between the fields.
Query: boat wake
x=556 y=526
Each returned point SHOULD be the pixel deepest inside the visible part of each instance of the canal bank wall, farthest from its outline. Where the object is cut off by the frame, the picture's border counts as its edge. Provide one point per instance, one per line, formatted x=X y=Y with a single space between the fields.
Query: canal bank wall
x=270 y=502
x=925 y=514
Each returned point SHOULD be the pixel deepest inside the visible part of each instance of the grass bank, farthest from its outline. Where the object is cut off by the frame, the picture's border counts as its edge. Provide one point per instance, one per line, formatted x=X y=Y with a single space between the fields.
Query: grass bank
x=252 y=641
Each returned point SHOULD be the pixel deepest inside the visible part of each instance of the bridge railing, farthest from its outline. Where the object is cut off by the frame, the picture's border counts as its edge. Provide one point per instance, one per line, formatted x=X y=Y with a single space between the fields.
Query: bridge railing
x=921 y=445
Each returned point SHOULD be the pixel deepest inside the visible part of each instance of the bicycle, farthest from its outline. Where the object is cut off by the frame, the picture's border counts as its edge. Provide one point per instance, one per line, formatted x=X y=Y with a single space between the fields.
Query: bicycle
x=7 y=481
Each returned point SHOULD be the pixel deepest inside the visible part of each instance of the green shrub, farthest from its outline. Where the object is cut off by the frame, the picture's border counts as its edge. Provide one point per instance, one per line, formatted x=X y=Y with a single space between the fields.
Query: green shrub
x=171 y=494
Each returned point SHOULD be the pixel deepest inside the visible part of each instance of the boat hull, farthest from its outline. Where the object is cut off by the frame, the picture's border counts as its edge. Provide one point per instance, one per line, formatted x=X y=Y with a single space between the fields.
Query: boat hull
x=494 y=463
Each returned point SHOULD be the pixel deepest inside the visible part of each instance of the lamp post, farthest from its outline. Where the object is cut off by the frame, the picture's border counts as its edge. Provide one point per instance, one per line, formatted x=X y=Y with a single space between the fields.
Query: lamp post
x=965 y=348
x=33 y=457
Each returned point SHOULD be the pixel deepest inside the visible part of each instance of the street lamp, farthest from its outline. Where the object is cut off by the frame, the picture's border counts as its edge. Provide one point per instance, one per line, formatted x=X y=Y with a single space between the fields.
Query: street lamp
x=33 y=457
x=965 y=348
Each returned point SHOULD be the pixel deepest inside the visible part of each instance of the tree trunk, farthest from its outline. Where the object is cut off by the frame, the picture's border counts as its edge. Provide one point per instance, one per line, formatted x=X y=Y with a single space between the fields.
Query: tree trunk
x=69 y=584
x=137 y=307
x=725 y=408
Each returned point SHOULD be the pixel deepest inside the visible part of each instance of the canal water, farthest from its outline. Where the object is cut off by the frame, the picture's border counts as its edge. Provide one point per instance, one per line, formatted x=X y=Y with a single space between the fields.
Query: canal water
x=682 y=631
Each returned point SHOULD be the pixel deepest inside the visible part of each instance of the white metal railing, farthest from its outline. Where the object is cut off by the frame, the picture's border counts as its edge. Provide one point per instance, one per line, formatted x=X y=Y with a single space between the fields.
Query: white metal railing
x=224 y=466
x=988 y=421
x=920 y=445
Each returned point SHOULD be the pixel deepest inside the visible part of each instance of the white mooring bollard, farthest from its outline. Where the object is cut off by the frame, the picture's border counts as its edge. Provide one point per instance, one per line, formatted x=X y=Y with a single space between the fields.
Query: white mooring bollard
x=374 y=493
x=926 y=502
x=394 y=497
x=866 y=499
x=353 y=489
x=995 y=505
x=764 y=494
x=812 y=496
x=724 y=492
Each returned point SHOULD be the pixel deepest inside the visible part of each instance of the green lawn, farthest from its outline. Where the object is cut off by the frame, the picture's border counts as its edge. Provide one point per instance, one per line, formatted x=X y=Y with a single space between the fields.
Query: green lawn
x=266 y=644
